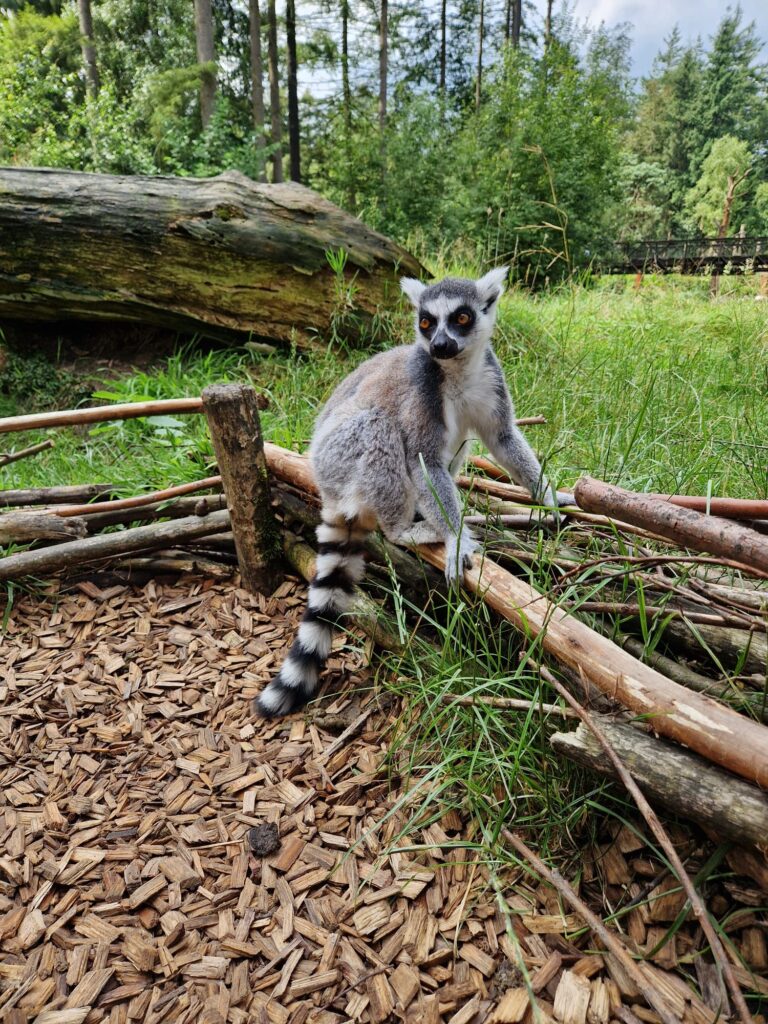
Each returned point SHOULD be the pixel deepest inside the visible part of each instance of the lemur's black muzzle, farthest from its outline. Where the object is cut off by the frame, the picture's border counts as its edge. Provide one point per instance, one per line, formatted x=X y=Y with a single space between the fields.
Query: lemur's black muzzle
x=443 y=346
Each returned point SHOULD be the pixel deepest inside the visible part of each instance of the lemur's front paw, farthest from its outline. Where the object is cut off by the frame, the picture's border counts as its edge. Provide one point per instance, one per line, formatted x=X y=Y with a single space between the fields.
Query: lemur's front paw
x=458 y=556
x=565 y=498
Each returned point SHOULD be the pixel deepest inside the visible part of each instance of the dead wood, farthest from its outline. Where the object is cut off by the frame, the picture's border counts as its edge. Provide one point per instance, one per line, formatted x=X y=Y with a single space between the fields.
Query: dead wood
x=725 y=508
x=21 y=527
x=680 y=525
x=676 y=779
x=153 y=498
x=697 y=904
x=711 y=729
x=175 y=508
x=92 y=549
x=24 y=453
x=53 y=495
x=99 y=414
x=224 y=256
x=233 y=421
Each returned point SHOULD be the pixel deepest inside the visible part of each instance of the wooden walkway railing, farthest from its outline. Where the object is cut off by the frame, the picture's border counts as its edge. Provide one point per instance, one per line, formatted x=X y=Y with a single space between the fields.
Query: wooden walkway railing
x=736 y=254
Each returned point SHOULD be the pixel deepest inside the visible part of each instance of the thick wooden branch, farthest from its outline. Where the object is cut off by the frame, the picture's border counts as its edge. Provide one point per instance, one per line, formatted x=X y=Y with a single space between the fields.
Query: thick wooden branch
x=676 y=779
x=683 y=526
x=213 y=255
x=718 y=733
x=22 y=527
x=93 y=549
x=233 y=420
x=53 y=495
x=99 y=414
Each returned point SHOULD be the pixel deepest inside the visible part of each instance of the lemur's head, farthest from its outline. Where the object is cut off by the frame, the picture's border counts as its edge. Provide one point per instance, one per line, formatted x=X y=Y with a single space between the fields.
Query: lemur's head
x=456 y=314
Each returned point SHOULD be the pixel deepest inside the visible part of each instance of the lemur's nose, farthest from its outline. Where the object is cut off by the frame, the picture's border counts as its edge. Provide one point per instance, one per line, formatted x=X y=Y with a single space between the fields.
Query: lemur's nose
x=443 y=347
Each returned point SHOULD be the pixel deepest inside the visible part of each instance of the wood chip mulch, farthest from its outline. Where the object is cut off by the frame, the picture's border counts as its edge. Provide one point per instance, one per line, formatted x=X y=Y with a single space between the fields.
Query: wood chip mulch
x=164 y=857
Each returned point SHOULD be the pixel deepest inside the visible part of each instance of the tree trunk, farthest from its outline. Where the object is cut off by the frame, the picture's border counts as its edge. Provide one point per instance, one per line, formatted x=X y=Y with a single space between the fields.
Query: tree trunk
x=257 y=78
x=443 y=44
x=517 y=22
x=383 y=63
x=87 y=47
x=221 y=256
x=346 y=92
x=293 y=92
x=274 y=95
x=480 y=33
x=548 y=26
x=673 y=777
x=205 y=55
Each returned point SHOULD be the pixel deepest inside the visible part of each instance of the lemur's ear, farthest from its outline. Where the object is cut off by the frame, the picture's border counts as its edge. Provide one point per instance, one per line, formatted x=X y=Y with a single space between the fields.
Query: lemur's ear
x=413 y=289
x=491 y=285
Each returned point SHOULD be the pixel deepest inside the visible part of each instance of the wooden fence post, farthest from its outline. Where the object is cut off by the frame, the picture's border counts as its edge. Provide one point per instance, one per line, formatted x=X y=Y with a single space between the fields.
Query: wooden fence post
x=233 y=420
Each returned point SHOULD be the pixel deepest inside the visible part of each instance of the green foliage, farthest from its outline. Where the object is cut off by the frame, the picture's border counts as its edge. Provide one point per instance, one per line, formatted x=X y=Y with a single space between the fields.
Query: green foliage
x=32 y=382
x=728 y=159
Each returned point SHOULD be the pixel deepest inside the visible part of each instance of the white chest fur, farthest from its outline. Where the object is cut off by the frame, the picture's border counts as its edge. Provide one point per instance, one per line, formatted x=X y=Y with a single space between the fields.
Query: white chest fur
x=469 y=400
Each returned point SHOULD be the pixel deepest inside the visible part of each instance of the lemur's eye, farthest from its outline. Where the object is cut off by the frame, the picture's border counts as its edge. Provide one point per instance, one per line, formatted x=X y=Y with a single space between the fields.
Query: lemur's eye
x=463 y=319
x=425 y=323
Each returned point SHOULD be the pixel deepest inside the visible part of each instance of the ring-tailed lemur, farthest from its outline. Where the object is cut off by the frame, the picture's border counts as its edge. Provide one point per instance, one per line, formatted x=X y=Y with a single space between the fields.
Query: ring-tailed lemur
x=386 y=445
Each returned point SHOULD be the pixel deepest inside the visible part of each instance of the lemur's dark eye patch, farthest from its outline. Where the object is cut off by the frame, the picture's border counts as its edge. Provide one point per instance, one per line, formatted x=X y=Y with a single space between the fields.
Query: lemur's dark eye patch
x=462 y=317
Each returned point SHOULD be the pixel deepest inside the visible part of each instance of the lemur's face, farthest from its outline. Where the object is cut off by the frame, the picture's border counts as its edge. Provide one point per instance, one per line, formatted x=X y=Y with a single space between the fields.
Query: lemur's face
x=455 y=315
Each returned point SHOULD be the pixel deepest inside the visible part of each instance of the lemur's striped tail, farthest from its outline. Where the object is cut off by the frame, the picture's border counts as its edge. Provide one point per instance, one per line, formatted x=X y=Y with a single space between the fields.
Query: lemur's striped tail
x=340 y=566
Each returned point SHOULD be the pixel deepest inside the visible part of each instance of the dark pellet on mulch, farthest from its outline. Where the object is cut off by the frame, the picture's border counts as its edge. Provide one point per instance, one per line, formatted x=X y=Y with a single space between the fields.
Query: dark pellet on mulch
x=264 y=839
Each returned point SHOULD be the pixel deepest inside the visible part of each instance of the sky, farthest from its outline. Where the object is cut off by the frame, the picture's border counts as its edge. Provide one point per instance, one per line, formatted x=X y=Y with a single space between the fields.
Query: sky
x=653 y=20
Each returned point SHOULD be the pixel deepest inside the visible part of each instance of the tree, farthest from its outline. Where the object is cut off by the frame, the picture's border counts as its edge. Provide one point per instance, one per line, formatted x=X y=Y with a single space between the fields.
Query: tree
x=87 y=46
x=293 y=96
x=712 y=200
x=257 y=75
x=383 y=63
x=206 y=57
x=443 y=44
x=517 y=22
x=480 y=33
x=274 y=94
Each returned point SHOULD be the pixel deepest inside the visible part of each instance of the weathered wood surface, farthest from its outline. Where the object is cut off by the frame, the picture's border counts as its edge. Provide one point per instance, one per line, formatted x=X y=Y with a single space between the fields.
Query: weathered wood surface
x=713 y=730
x=216 y=255
x=681 y=525
x=53 y=495
x=97 y=413
x=93 y=549
x=233 y=421
x=27 y=526
x=678 y=780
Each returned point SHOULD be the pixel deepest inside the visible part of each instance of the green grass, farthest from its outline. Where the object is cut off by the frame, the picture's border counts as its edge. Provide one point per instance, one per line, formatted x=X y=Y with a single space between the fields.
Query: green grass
x=664 y=391
x=659 y=390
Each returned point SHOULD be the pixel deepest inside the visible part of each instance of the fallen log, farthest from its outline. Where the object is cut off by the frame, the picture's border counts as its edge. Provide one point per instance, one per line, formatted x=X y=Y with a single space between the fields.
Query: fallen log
x=675 y=778
x=221 y=256
x=687 y=528
x=176 y=508
x=93 y=549
x=713 y=730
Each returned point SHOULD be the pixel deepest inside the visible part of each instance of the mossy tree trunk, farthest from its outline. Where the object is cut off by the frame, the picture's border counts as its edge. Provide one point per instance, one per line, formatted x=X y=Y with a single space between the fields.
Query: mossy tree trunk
x=222 y=256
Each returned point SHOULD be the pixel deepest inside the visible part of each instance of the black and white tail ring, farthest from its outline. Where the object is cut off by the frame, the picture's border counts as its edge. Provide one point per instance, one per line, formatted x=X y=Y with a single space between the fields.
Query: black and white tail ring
x=340 y=567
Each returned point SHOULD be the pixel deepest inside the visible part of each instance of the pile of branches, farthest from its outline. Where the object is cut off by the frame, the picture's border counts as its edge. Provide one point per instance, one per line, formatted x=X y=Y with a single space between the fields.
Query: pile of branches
x=652 y=608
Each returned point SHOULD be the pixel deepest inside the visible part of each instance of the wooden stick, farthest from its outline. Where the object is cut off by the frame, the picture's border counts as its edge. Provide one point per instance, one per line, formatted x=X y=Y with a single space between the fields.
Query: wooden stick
x=53 y=495
x=635 y=610
x=716 y=732
x=681 y=525
x=697 y=904
x=140 y=500
x=98 y=414
x=176 y=508
x=673 y=777
x=505 y=703
x=24 y=453
x=233 y=419
x=63 y=556
x=609 y=939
